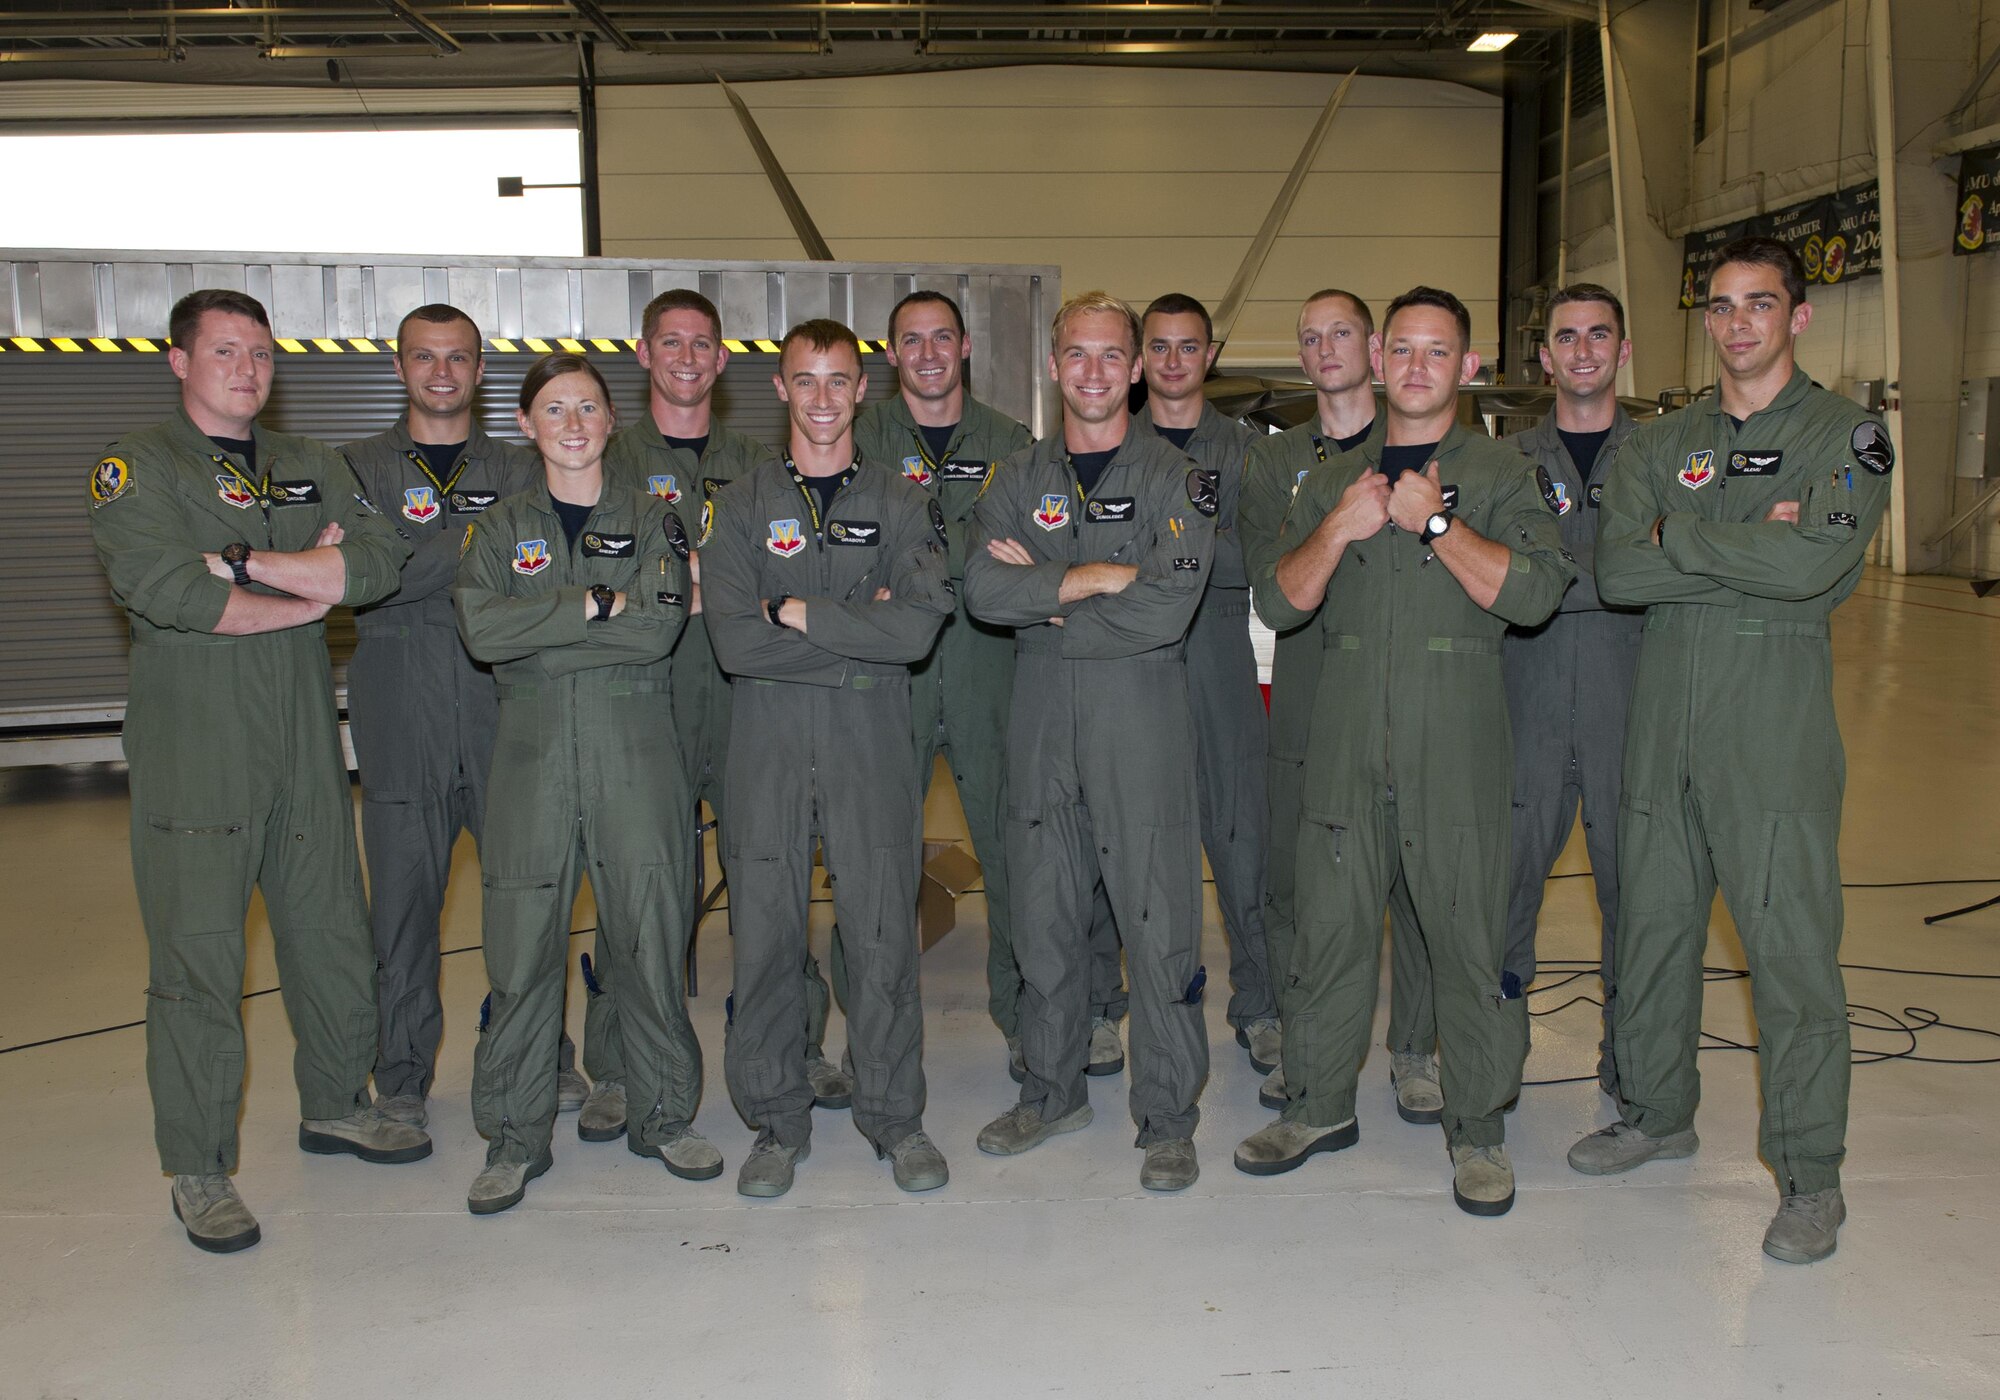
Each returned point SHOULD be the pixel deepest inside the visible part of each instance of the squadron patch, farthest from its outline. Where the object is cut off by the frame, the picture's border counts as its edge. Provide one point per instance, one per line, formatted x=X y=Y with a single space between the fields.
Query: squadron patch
x=854 y=532
x=295 y=493
x=915 y=470
x=1593 y=495
x=677 y=537
x=707 y=523
x=1872 y=447
x=109 y=480
x=785 y=540
x=1054 y=513
x=420 y=505
x=937 y=523
x=987 y=480
x=234 y=490
x=667 y=488
x=1202 y=487
x=710 y=485
x=607 y=546
x=1754 y=463
x=465 y=543
x=1700 y=469
x=1112 y=510
x=1554 y=497
x=531 y=557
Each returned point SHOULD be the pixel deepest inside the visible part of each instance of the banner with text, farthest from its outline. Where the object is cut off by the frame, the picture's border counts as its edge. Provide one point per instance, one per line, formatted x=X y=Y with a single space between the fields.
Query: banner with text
x=1978 y=202
x=1838 y=238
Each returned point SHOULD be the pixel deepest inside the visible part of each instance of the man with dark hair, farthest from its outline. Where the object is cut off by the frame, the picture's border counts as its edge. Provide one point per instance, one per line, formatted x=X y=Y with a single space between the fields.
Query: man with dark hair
x=941 y=438
x=1740 y=524
x=1178 y=348
x=1336 y=332
x=683 y=453
x=825 y=580
x=421 y=711
x=1569 y=680
x=1094 y=545
x=1439 y=540
x=226 y=545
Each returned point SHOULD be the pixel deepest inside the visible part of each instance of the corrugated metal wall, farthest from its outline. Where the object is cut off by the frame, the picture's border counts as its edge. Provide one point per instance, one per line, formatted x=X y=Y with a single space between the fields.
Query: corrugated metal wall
x=62 y=640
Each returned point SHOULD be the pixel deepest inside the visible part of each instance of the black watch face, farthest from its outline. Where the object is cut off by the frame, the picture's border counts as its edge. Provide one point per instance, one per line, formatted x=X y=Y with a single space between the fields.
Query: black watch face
x=235 y=553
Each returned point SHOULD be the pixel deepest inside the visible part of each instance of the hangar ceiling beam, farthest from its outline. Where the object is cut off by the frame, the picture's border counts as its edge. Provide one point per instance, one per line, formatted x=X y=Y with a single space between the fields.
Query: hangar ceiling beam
x=411 y=16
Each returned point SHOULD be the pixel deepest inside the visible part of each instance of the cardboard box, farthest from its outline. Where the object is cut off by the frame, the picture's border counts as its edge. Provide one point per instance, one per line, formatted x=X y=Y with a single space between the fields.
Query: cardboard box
x=949 y=871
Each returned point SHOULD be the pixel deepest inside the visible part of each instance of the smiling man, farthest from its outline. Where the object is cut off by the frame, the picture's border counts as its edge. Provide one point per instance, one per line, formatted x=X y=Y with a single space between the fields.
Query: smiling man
x=1094 y=545
x=422 y=712
x=1417 y=549
x=226 y=545
x=1569 y=680
x=1740 y=523
x=824 y=580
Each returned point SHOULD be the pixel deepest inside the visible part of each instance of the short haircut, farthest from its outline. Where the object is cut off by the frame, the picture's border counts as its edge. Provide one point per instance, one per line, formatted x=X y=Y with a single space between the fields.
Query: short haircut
x=678 y=299
x=1577 y=292
x=555 y=366
x=1765 y=252
x=1439 y=298
x=1083 y=304
x=1360 y=307
x=821 y=333
x=185 y=319
x=438 y=313
x=1179 y=304
x=927 y=299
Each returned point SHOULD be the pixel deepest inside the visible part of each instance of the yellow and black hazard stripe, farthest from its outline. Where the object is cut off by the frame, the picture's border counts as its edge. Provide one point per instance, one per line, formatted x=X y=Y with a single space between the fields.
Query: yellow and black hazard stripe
x=364 y=345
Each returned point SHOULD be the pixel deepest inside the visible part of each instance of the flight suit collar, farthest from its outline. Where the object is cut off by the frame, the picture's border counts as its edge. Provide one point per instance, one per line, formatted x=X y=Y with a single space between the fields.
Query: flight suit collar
x=1795 y=389
x=1205 y=427
x=1544 y=441
x=479 y=447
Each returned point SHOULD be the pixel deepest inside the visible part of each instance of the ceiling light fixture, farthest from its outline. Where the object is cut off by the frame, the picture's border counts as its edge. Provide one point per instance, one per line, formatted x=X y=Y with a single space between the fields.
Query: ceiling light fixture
x=1491 y=42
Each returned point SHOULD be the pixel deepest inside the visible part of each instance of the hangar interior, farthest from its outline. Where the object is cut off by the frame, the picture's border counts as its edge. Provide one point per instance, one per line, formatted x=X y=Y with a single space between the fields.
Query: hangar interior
x=805 y=158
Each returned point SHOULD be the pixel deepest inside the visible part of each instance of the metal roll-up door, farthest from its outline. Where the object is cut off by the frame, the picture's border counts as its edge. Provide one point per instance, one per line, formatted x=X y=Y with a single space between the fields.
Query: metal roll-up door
x=62 y=640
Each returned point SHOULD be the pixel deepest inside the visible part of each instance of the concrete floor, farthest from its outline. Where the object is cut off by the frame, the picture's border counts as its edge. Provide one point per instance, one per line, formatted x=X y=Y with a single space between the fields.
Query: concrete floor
x=1051 y=1273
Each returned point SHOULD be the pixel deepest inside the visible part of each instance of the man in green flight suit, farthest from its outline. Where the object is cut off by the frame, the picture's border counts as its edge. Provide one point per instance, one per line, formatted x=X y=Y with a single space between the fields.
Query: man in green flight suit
x=1336 y=332
x=1094 y=545
x=575 y=591
x=421 y=711
x=824 y=581
x=1178 y=347
x=1740 y=523
x=226 y=545
x=681 y=452
x=946 y=441
x=1408 y=773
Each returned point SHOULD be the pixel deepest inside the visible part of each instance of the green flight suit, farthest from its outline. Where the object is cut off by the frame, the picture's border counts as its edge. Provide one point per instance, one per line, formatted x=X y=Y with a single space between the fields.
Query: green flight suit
x=1100 y=754
x=1277 y=466
x=1229 y=725
x=959 y=693
x=1734 y=769
x=822 y=749
x=640 y=457
x=1408 y=780
x=236 y=773
x=1569 y=687
x=422 y=714
x=587 y=774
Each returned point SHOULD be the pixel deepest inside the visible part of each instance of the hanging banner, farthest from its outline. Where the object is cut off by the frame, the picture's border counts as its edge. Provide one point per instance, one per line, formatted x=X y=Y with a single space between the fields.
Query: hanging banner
x=1838 y=238
x=1978 y=202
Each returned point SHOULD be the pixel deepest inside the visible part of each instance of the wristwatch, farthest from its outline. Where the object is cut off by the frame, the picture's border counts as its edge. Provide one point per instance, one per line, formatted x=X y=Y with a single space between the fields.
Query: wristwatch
x=1437 y=525
x=237 y=557
x=773 y=606
x=604 y=598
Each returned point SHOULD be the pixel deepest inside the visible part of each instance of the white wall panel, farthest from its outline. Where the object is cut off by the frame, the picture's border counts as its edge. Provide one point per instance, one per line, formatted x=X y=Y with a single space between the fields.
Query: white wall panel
x=1133 y=180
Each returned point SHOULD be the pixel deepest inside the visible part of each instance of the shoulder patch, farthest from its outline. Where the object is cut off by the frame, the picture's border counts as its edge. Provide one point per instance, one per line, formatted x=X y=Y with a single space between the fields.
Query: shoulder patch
x=1872 y=447
x=1202 y=488
x=677 y=537
x=937 y=520
x=1550 y=496
x=110 y=479
x=707 y=522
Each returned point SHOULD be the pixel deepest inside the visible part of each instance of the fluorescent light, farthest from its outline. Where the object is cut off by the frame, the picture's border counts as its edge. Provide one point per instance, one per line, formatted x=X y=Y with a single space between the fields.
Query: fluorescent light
x=1491 y=42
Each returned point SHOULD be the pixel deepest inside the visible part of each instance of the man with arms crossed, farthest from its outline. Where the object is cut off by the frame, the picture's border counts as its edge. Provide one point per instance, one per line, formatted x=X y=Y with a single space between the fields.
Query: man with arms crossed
x=825 y=579
x=1094 y=545
x=1740 y=523
x=1422 y=547
x=226 y=545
